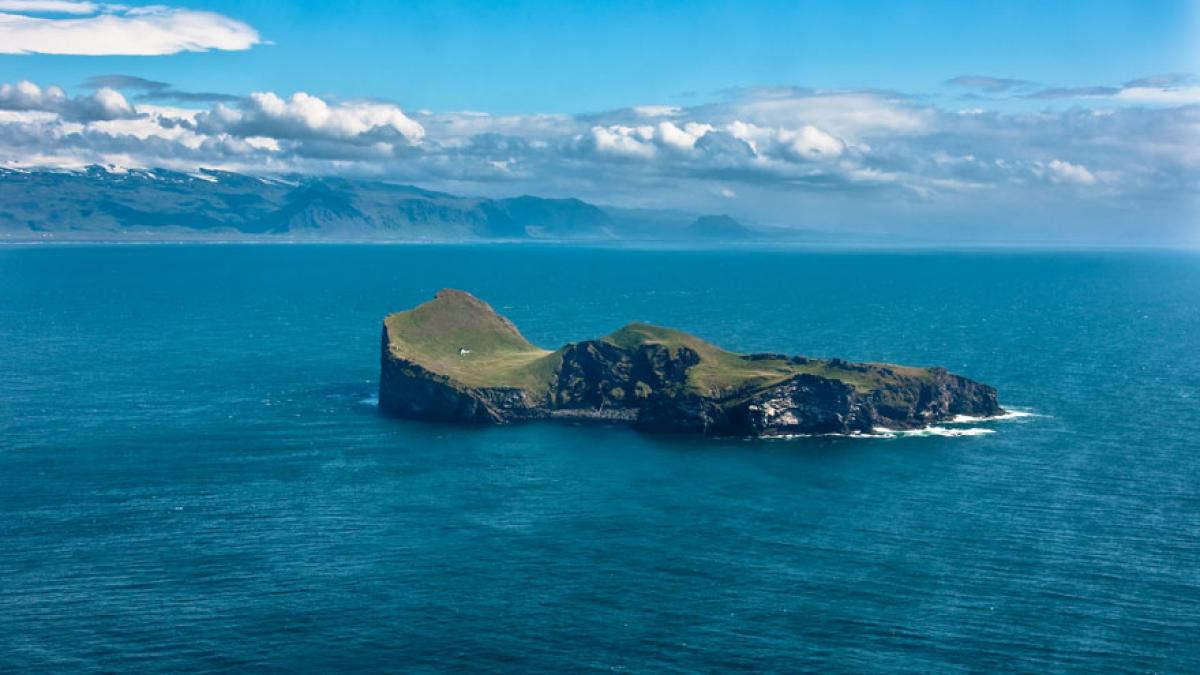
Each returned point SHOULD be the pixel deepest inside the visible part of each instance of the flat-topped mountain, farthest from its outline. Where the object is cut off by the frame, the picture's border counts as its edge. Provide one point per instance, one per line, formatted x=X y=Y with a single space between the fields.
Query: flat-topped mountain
x=454 y=359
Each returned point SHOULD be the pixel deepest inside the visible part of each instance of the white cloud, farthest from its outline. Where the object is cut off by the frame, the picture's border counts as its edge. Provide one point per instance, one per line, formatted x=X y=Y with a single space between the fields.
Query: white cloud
x=804 y=143
x=116 y=29
x=26 y=95
x=1065 y=172
x=657 y=111
x=681 y=138
x=812 y=143
x=303 y=116
x=852 y=115
x=263 y=143
x=624 y=141
x=645 y=141
x=1160 y=95
x=102 y=104
x=752 y=134
x=150 y=125
x=49 y=6
x=26 y=116
x=168 y=111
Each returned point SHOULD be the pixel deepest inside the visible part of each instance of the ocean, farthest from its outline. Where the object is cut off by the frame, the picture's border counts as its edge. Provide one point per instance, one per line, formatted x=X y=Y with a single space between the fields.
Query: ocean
x=194 y=477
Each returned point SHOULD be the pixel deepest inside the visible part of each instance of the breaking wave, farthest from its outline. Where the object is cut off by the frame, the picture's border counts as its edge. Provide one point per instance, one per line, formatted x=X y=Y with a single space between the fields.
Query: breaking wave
x=931 y=431
x=1010 y=414
x=938 y=430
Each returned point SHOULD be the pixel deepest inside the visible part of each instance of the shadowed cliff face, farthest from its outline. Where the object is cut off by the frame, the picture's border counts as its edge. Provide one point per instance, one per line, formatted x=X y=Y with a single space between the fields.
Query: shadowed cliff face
x=597 y=373
x=454 y=359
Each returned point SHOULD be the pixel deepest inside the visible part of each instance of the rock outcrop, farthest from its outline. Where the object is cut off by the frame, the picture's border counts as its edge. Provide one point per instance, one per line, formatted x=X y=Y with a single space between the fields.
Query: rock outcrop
x=454 y=359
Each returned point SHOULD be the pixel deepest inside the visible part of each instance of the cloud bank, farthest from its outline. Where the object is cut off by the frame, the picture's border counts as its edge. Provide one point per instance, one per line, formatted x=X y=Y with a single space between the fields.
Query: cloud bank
x=782 y=156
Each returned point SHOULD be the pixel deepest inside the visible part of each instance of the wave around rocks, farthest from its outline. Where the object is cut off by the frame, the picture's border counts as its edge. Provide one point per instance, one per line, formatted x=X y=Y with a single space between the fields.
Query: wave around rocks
x=1009 y=414
x=941 y=430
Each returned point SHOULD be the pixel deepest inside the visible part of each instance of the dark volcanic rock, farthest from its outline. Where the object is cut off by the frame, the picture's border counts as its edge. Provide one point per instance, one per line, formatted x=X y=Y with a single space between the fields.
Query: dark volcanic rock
x=597 y=373
x=685 y=413
x=806 y=404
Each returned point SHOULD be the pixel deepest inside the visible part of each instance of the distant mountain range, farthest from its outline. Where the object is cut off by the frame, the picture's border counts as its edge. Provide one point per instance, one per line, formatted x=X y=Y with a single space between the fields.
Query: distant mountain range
x=107 y=203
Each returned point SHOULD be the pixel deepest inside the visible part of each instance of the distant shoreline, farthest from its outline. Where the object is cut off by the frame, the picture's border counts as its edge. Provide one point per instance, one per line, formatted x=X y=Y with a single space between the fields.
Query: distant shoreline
x=621 y=245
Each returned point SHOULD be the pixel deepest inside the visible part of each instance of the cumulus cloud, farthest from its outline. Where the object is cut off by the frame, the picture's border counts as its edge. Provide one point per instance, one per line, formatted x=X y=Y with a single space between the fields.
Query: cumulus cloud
x=85 y=28
x=681 y=138
x=810 y=142
x=645 y=141
x=306 y=117
x=26 y=95
x=804 y=143
x=624 y=141
x=102 y=104
x=1060 y=171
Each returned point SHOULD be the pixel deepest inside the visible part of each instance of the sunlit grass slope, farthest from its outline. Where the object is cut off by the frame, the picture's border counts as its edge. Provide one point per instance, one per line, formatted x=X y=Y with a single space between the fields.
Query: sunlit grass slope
x=434 y=334
x=721 y=372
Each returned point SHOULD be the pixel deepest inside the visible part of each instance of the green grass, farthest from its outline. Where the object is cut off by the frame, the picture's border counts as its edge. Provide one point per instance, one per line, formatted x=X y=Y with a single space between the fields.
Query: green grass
x=500 y=356
x=721 y=373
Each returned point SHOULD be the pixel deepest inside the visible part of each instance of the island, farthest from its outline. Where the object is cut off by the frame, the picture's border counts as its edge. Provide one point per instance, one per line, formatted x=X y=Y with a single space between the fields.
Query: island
x=455 y=359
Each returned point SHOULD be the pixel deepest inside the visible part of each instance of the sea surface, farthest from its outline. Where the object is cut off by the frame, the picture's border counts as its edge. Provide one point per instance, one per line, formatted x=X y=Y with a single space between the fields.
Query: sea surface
x=194 y=477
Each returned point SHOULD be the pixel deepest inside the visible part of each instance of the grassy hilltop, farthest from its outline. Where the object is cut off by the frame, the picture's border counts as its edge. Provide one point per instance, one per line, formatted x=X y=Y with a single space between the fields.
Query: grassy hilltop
x=433 y=333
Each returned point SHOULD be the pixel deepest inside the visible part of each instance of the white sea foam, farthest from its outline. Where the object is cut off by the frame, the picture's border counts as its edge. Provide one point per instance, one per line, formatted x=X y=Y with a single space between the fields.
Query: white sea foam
x=885 y=433
x=1010 y=414
x=881 y=432
x=853 y=434
x=372 y=401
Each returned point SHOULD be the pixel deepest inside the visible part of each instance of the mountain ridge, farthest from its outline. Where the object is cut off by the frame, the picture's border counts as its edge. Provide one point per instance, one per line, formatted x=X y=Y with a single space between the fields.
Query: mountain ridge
x=116 y=204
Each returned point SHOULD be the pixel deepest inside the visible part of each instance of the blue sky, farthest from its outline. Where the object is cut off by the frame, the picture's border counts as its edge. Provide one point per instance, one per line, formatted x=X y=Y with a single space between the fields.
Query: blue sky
x=1077 y=119
x=584 y=56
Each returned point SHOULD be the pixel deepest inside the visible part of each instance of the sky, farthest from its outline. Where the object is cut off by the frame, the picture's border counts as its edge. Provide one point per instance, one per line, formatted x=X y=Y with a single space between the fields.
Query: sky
x=1009 y=121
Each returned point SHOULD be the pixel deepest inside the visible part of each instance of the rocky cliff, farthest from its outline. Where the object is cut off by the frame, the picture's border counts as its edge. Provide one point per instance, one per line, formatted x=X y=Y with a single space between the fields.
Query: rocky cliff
x=454 y=359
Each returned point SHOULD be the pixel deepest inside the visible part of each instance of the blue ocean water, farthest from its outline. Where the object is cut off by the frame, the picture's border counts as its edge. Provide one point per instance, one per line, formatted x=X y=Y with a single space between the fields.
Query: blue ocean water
x=193 y=476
